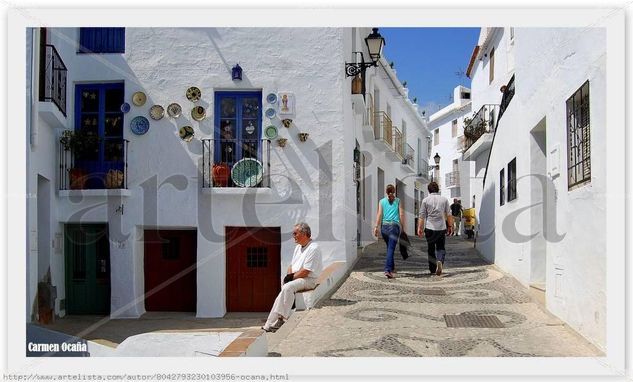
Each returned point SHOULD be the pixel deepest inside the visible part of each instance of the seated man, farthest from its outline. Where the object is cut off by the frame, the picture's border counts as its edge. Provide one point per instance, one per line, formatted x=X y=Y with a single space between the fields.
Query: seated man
x=302 y=274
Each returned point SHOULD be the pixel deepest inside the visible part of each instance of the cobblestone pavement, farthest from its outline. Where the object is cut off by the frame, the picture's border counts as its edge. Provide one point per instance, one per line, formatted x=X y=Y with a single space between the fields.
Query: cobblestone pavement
x=370 y=315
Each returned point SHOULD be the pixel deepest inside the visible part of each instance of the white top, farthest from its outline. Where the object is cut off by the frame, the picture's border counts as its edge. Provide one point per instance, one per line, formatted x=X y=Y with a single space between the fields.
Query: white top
x=308 y=258
x=432 y=211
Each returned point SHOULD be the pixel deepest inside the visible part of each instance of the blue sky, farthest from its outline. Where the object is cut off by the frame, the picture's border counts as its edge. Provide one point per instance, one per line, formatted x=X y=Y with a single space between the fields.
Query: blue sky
x=432 y=61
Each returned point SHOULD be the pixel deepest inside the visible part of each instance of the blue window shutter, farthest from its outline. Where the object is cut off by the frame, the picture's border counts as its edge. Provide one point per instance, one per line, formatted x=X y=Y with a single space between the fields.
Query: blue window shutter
x=102 y=40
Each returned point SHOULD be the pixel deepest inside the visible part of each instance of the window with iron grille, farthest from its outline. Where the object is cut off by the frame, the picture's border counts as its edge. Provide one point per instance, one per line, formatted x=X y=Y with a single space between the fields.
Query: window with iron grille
x=512 y=180
x=436 y=137
x=454 y=128
x=502 y=187
x=578 y=138
x=257 y=257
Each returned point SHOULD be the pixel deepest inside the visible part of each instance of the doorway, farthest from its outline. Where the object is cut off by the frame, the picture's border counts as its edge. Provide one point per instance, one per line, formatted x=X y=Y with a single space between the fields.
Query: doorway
x=170 y=270
x=253 y=268
x=87 y=261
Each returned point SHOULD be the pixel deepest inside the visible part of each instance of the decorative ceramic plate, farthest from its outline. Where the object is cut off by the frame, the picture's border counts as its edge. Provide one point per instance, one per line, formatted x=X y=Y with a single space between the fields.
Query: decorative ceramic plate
x=271 y=132
x=174 y=110
x=139 y=98
x=139 y=125
x=271 y=98
x=247 y=172
x=270 y=112
x=186 y=133
x=194 y=94
x=198 y=113
x=125 y=107
x=156 y=112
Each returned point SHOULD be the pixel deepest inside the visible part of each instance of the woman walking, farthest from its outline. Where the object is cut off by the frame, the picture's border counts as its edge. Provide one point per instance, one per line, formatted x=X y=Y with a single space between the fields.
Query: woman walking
x=390 y=218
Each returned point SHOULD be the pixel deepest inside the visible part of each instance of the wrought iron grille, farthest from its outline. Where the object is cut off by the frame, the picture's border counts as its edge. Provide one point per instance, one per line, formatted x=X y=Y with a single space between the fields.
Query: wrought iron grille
x=53 y=75
x=451 y=179
x=235 y=163
x=578 y=137
x=507 y=97
x=409 y=156
x=397 y=142
x=78 y=173
x=383 y=127
x=483 y=122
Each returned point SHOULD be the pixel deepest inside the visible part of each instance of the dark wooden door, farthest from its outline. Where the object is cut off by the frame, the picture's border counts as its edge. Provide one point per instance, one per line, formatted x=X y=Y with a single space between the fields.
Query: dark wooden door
x=253 y=258
x=170 y=270
x=87 y=263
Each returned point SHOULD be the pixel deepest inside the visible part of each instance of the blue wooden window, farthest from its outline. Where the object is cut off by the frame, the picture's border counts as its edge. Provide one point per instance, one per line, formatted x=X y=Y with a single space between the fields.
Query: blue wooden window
x=237 y=133
x=98 y=113
x=101 y=40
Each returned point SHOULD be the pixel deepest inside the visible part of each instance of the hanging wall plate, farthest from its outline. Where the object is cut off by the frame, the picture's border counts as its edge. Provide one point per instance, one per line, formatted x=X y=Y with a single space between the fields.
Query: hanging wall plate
x=198 y=113
x=271 y=132
x=174 y=110
x=270 y=112
x=271 y=98
x=139 y=125
x=194 y=94
x=125 y=107
x=156 y=112
x=186 y=133
x=139 y=98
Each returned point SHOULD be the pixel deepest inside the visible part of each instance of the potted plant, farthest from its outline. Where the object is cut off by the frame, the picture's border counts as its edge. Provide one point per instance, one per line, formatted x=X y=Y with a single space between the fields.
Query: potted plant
x=80 y=143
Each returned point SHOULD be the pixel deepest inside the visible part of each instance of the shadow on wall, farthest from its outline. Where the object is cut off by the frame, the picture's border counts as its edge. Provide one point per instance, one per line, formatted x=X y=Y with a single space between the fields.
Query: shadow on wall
x=486 y=235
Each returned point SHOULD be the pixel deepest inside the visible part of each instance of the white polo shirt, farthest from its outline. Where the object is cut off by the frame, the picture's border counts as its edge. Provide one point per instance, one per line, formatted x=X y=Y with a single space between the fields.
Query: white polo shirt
x=432 y=211
x=308 y=258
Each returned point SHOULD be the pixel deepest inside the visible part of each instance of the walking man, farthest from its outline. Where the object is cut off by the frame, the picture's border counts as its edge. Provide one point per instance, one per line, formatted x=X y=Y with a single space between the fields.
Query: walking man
x=456 y=211
x=301 y=274
x=435 y=221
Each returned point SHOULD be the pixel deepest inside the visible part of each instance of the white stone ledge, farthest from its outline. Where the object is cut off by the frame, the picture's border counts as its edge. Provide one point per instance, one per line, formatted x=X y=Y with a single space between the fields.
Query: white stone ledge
x=236 y=190
x=100 y=192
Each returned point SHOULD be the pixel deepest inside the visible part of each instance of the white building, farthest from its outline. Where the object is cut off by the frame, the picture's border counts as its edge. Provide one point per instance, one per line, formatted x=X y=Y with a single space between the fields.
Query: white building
x=540 y=146
x=104 y=246
x=447 y=134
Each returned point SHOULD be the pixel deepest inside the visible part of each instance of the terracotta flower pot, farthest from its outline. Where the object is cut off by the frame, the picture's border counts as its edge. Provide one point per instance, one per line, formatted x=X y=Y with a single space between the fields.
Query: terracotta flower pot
x=220 y=173
x=78 y=178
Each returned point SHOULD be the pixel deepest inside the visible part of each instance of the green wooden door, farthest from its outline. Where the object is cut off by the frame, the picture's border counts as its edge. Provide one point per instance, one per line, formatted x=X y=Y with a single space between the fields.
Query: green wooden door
x=87 y=252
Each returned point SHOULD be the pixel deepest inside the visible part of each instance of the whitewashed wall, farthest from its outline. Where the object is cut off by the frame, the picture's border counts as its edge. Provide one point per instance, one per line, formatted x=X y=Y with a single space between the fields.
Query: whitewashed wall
x=163 y=170
x=449 y=147
x=552 y=64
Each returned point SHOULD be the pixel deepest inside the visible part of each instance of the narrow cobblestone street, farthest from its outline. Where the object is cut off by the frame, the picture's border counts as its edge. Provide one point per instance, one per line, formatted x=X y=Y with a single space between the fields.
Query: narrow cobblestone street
x=370 y=315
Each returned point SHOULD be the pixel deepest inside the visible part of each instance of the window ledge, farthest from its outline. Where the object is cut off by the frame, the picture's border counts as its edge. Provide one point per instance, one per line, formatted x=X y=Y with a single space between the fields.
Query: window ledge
x=100 y=192
x=236 y=190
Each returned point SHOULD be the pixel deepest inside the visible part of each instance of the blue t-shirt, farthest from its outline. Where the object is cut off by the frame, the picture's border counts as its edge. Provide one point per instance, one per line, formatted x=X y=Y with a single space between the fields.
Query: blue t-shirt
x=390 y=212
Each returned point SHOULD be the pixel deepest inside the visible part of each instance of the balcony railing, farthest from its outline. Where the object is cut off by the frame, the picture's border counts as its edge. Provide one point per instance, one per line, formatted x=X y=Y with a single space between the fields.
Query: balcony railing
x=398 y=146
x=507 y=97
x=409 y=157
x=100 y=165
x=53 y=75
x=235 y=163
x=483 y=122
x=452 y=179
x=383 y=128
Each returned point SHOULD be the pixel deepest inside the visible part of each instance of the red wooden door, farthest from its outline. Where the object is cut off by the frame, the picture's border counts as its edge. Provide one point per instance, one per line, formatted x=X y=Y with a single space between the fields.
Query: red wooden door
x=170 y=270
x=253 y=258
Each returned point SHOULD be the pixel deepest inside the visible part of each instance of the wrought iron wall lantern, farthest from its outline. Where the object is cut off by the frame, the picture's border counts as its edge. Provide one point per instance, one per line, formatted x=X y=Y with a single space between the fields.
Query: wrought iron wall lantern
x=375 y=42
x=236 y=73
x=436 y=159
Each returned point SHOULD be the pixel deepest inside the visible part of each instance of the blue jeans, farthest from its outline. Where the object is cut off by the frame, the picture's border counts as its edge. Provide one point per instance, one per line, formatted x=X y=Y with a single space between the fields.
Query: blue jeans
x=390 y=234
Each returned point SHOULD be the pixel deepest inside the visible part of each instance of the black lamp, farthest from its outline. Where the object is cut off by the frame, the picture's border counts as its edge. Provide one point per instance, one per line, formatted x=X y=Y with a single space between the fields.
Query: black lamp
x=236 y=72
x=375 y=42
